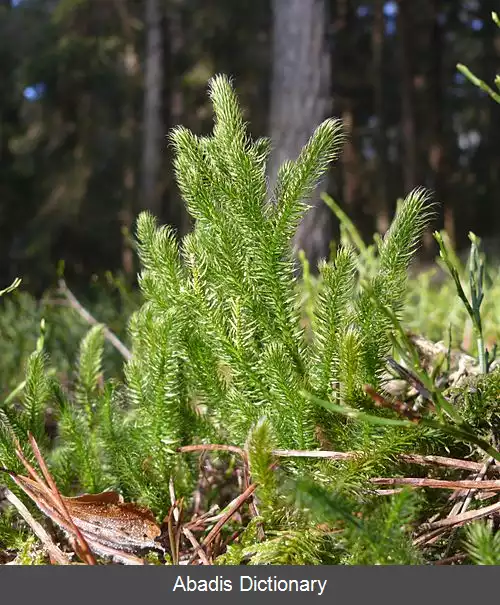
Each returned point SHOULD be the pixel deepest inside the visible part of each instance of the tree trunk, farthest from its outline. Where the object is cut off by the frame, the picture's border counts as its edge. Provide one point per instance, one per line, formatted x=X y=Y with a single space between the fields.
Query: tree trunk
x=437 y=148
x=408 y=116
x=378 y=37
x=152 y=124
x=174 y=46
x=300 y=101
x=131 y=69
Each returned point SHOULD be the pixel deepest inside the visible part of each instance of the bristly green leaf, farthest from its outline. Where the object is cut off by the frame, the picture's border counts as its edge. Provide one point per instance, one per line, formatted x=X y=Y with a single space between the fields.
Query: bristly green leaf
x=400 y=242
x=90 y=368
x=483 y=544
x=296 y=179
x=332 y=315
x=36 y=394
x=260 y=444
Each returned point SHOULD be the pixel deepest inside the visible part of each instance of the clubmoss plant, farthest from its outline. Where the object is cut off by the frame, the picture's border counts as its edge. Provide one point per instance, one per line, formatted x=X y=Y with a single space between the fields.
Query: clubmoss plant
x=220 y=352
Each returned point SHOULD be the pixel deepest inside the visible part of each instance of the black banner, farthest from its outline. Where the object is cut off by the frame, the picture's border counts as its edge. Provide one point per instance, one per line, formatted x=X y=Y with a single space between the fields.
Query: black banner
x=240 y=585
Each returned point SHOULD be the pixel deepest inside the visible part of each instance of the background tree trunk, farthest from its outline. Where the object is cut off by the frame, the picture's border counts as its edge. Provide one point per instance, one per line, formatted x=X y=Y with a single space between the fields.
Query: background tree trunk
x=153 y=126
x=408 y=112
x=381 y=176
x=300 y=93
x=437 y=159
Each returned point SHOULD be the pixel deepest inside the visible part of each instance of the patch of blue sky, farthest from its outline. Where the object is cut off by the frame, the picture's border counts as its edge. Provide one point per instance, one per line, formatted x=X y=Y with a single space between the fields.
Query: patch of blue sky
x=35 y=92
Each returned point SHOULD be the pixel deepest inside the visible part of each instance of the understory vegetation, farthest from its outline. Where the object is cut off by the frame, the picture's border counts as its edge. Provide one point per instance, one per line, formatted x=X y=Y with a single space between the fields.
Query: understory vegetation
x=348 y=417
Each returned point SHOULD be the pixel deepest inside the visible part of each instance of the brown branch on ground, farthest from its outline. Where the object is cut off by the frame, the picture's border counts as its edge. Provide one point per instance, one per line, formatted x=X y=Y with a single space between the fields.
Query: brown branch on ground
x=246 y=471
x=456 y=463
x=464 y=497
x=234 y=507
x=493 y=485
x=461 y=519
x=196 y=545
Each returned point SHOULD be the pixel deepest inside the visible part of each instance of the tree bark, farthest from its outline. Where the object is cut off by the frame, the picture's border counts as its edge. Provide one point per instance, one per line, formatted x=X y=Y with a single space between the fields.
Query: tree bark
x=153 y=123
x=131 y=69
x=382 y=218
x=437 y=148
x=408 y=115
x=175 y=47
x=300 y=93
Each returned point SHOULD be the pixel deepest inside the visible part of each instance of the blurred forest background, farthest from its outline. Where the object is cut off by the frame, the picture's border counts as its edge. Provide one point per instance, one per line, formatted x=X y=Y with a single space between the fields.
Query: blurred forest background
x=90 y=88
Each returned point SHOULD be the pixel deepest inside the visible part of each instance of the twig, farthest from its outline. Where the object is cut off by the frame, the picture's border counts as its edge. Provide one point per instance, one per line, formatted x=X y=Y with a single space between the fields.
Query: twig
x=254 y=511
x=108 y=335
x=196 y=545
x=316 y=454
x=462 y=518
x=429 y=537
x=386 y=492
x=460 y=506
x=437 y=483
x=55 y=553
x=444 y=461
x=463 y=505
x=237 y=502
x=235 y=505
x=212 y=447
x=409 y=458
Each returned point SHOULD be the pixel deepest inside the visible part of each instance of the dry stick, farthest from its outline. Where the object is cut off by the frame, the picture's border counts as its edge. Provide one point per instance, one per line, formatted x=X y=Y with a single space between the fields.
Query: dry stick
x=173 y=535
x=444 y=461
x=437 y=483
x=429 y=537
x=237 y=502
x=202 y=520
x=82 y=543
x=196 y=545
x=463 y=503
x=409 y=458
x=212 y=447
x=246 y=471
x=462 y=518
x=433 y=536
x=55 y=553
x=235 y=505
x=108 y=335
x=386 y=492
x=462 y=506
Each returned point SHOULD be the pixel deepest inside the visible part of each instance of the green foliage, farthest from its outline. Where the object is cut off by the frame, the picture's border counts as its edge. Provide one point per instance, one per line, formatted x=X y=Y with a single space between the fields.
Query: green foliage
x=220 y=353
x=476 y=282
x=482 y=544
x=260 y=459
x=477 y=81
x=477 y=400
x=384 y=537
